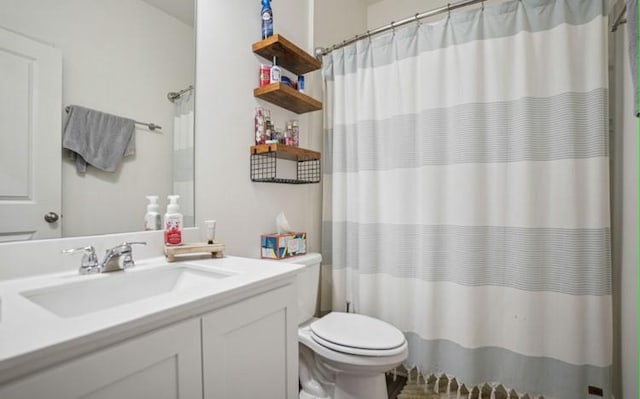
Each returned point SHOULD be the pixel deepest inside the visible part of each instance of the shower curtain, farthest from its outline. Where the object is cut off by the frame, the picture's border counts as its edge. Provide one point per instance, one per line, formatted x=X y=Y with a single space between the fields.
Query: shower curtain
x=183 y=134
x=466 y=195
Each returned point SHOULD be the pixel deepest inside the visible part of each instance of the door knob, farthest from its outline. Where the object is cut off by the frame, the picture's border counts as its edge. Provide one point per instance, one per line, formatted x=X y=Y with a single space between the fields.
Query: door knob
x=51 y=217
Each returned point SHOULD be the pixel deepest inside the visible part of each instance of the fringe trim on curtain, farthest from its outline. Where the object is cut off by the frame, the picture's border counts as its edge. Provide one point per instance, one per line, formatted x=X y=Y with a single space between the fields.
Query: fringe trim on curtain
x=452 y=387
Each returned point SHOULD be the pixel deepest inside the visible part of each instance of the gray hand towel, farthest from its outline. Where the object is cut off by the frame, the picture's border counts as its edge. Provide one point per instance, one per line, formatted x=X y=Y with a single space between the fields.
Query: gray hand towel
x=97 y=138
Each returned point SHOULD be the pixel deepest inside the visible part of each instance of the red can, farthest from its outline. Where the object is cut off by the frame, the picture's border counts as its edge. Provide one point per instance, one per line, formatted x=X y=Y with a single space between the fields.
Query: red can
x=265 y=74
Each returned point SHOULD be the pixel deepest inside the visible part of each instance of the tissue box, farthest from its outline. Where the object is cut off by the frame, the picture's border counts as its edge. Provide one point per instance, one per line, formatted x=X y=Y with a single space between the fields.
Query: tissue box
x=280 y=246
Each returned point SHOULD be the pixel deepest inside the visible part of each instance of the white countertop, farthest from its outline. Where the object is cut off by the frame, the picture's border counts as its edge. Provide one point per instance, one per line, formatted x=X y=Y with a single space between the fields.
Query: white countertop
x=31 y=337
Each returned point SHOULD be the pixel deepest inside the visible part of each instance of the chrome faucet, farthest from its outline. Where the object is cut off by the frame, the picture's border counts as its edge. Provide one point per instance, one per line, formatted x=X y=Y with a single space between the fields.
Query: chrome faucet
x=117 y=258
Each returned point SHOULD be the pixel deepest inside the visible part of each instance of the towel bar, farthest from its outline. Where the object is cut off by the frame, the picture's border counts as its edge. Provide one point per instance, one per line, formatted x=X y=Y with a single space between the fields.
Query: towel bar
x=151 y=126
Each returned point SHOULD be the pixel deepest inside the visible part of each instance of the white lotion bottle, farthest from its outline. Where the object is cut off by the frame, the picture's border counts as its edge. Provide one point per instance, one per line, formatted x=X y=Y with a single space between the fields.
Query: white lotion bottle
x=275 y=75
x=173 y=222
x=152 y=217
x=211 y=230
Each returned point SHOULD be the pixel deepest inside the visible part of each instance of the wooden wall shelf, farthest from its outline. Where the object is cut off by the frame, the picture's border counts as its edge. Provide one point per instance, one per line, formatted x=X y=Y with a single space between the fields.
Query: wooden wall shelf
x=286 y=152
x=289 y=56
x=288 y=98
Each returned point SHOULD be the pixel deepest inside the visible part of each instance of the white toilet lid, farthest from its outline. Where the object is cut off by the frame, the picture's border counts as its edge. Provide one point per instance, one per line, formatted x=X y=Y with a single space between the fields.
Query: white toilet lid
x=356 y=334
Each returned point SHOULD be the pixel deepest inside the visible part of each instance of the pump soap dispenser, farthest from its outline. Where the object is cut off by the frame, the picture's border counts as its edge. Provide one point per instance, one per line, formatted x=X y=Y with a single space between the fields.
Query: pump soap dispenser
x=173 y=222
x=152 y=217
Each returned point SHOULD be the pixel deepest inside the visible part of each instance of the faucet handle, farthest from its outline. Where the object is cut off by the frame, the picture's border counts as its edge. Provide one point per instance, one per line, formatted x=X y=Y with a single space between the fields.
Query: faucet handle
x=89 y=262
x=130 y=243
x=128 y=257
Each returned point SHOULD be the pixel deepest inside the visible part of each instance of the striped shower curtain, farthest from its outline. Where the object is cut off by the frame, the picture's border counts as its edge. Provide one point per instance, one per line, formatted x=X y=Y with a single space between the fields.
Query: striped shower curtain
x=466 y=195
x=183 y=134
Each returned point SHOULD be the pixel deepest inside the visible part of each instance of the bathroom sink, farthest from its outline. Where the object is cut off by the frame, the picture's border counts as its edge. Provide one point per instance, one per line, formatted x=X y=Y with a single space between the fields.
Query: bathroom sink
x=119 y=288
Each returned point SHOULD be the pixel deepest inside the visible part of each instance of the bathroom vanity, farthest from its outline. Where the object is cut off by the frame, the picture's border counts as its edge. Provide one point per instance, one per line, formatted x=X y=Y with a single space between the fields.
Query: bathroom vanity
x=215 y=328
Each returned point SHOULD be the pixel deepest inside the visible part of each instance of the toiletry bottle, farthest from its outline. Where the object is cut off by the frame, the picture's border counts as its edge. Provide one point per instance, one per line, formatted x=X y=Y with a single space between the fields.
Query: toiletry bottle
x=288 y=134
x=211 y=230
x=295 y=133
x=260 y=128
x=268 y=126
x=275 y=72
x=152 y=217
x=173 y=222
x=267 y=19
x=265 y=75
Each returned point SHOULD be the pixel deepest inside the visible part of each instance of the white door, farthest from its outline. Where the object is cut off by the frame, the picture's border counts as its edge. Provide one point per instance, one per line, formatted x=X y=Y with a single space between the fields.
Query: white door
x=30 y=138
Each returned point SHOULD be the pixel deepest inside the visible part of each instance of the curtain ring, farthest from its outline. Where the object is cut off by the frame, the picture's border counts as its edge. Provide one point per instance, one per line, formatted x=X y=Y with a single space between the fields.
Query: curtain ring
x=393 y=29
x=448 y=10
x=417 y=19
x=369 y=36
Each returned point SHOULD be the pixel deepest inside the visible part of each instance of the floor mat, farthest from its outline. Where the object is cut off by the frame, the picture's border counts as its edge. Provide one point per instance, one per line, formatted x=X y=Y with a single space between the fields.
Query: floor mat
x=412 y=391
x=395 y=385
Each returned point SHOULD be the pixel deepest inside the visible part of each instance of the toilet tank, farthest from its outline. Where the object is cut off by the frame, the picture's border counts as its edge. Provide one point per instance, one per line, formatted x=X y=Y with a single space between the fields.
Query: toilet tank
x=308 y=281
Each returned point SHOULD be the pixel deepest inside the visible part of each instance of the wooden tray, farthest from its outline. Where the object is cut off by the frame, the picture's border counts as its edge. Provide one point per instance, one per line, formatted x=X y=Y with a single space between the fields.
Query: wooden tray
x=216 y=250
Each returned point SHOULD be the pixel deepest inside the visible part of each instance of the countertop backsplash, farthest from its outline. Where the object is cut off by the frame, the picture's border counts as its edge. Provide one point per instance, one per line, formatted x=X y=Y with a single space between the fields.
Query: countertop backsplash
x=29 y=258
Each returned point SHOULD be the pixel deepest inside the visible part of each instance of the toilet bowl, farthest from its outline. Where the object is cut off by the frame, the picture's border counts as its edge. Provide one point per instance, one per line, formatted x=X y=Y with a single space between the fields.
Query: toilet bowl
x=342 y=355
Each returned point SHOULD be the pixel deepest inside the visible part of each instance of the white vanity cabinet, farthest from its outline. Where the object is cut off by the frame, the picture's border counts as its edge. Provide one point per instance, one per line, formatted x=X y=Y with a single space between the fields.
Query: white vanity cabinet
x=165 y=363
x=243 y=347
x=250 y=349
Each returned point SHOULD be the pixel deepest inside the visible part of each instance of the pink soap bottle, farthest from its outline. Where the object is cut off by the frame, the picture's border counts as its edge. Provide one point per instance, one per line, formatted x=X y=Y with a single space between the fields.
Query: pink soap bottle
x=173 y=222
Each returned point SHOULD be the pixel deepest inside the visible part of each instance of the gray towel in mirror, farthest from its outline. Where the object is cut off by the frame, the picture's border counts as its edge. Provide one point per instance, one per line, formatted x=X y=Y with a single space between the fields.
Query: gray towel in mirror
x=98 y=138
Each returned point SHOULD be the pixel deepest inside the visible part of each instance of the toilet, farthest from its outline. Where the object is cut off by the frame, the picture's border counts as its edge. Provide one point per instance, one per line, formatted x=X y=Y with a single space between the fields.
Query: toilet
x=341 y=355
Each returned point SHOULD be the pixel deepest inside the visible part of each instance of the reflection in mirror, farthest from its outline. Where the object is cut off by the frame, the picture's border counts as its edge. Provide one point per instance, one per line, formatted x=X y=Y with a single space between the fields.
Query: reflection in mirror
x=121 y=57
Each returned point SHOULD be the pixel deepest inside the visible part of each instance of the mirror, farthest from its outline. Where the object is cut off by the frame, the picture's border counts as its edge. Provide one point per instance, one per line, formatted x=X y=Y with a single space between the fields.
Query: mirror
x=131 y=58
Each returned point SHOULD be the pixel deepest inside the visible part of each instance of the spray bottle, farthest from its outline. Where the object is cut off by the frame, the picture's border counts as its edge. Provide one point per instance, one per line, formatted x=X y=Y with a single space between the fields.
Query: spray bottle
x=267 y=19
x=173 y=222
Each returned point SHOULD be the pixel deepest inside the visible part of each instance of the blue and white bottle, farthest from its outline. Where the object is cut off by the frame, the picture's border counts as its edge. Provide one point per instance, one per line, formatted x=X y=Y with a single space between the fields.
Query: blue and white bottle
x=267 y=19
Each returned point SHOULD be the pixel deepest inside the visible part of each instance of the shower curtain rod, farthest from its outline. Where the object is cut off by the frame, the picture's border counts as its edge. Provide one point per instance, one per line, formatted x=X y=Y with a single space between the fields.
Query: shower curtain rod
x=321 y=51
x=173 y=96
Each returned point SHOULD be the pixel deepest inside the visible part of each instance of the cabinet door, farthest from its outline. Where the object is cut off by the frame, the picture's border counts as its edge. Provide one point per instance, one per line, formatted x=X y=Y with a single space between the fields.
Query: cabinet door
x=162 y=364
x=250 y=349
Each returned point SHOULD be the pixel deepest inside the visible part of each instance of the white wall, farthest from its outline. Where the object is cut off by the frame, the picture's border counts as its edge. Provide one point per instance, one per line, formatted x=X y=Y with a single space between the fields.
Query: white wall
x=226 y=74
x=337 y=20
x=624 y=218
x=120 y=57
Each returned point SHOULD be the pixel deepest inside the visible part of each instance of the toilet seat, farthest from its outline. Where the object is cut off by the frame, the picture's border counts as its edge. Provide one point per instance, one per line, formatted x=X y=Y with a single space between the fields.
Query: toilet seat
x=357 y=334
